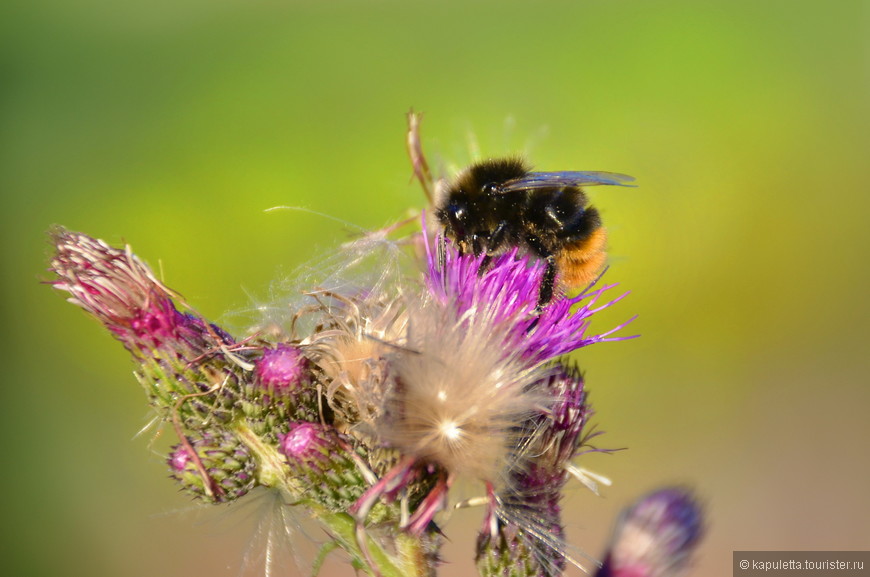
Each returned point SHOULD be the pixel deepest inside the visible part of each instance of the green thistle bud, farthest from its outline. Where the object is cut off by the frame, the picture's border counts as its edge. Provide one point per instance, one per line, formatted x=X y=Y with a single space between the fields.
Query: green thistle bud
x=322 y=460
x=283 y=389
x=505 y=553
x=214 y=466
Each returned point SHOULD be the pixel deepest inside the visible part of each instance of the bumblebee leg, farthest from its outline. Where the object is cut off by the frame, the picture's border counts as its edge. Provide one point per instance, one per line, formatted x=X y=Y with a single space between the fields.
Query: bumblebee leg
x=484 y=264
x=548 y=282
x=490 y=248
x=545 y=293
x=442 y=252
x=496 y=238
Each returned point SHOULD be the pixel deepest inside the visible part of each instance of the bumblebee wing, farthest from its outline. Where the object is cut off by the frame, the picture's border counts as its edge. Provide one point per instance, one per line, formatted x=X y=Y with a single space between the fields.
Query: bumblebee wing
x=534 y=180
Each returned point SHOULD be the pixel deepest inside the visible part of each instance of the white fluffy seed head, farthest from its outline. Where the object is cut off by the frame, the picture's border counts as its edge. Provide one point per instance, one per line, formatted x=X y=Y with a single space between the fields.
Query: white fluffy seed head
x=458 y=395
x=350 y=350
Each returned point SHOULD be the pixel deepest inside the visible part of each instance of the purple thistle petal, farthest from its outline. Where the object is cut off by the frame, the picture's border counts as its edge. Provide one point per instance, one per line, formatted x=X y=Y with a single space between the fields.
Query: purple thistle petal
x=559 y=331
x=505 y=295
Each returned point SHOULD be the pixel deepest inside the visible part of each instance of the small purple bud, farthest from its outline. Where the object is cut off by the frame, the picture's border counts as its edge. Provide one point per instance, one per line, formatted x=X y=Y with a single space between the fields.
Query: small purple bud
x=305 y=441
x=179 y=458
x=323 y=462
x=281 y=369
x=655 y=537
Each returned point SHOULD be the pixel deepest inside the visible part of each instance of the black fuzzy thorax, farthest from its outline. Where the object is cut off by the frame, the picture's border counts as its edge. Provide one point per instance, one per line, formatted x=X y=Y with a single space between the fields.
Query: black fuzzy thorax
x=482 y=218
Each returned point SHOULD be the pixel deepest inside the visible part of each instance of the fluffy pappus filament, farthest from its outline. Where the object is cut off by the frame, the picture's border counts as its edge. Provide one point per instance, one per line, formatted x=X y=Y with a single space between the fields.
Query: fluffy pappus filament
x=350 y=350
x=458 y=394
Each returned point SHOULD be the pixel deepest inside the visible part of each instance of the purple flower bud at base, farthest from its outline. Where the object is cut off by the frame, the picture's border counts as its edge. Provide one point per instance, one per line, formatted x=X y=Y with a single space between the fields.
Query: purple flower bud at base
x=305 y=441
x=322 y=460
x=281 y=369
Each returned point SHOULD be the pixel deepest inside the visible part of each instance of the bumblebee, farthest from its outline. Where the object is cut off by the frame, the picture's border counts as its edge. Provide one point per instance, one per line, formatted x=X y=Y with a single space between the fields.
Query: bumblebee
x=499 y=204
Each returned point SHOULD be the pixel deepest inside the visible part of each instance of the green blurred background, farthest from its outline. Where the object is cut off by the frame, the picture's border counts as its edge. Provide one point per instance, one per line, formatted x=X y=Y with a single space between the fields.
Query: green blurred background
x=173 y=125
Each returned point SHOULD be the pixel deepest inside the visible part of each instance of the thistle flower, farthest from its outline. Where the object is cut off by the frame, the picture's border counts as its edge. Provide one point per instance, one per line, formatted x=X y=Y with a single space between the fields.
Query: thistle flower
x=505 y=296
x=368 y=401
x=526 y=522
x=473 y=364
x=121 y=292
x=181 y=356
x=655 y=537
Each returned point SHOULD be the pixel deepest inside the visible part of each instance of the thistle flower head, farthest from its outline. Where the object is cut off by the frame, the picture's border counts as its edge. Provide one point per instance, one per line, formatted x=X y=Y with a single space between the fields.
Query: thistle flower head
x=503 y=293
x=491 y=344
x=458 y=394
x=527 y=516
x=655 y=537
x=118 y=289
x=181 y=356
x=464 y=389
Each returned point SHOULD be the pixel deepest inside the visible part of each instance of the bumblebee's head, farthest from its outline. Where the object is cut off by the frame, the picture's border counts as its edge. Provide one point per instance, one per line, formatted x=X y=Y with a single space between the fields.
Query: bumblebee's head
x=465 y=227
x=454 y=214
x=467 y=206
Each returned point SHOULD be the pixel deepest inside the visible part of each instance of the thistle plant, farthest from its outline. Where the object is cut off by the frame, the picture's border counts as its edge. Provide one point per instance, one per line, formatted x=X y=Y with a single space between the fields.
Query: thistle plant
x=367 y=406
